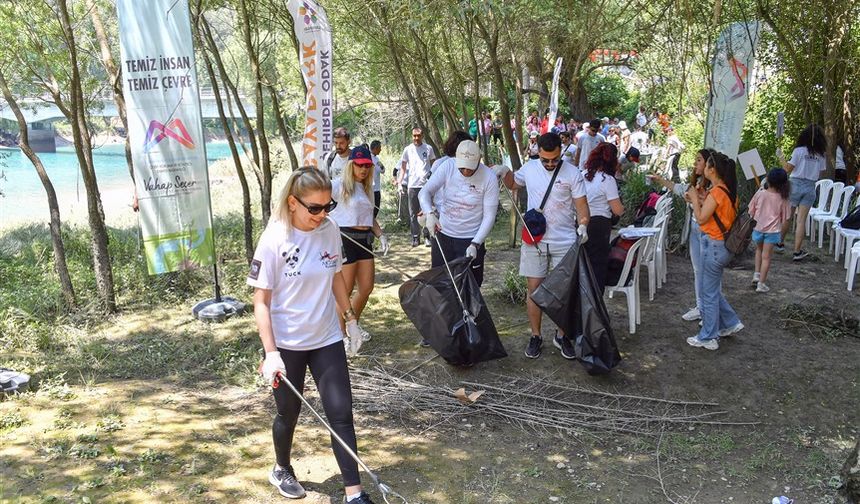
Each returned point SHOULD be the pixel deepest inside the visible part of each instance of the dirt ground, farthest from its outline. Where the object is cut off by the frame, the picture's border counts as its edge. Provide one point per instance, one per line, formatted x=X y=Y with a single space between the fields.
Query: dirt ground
x=150 y=435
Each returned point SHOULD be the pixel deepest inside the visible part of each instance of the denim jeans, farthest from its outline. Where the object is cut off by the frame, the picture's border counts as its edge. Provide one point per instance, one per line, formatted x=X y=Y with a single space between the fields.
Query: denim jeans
x=696 y=257
x=717 y=314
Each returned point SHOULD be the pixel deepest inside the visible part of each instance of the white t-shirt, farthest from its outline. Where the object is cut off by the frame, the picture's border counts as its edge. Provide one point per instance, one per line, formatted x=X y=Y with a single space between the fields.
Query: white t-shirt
x=641 y=120
x=639 y=139
x=468 y=206
x=378 y=170
x=569 y=153
x=600 y=191
x=559 y=210
x=839 y=164
x=299 y=269
x=587 y=144
x=579 y=136
x=417 y=162
x=337 y=166
x=806 y=165
x=356 y=211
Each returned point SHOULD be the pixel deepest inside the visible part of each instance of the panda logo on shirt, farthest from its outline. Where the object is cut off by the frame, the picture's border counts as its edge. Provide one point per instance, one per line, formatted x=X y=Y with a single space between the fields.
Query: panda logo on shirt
x=291 y=259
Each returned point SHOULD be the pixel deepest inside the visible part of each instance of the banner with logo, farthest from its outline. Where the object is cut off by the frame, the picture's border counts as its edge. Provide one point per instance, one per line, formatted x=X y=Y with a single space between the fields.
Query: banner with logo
x=732 y=71
x=314 y=35
x=166 y=134
x=553 y=104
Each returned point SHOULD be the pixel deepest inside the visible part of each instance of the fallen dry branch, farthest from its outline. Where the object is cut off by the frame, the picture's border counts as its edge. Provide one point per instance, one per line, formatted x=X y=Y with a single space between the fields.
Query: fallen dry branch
x=820 y=321
x=531 y=404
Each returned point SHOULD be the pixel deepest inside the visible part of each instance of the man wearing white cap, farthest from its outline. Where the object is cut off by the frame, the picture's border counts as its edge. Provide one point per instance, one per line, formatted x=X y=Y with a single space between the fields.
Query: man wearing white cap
x=467 y=208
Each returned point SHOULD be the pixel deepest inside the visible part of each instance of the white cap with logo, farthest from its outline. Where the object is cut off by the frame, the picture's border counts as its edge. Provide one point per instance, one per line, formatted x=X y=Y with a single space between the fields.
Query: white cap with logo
x=468 y=155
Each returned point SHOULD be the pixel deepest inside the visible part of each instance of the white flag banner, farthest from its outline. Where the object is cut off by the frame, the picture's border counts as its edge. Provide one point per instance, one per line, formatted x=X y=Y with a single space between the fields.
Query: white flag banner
x=166 y=134
x=732 y=70
x=553 y=104
x=315 y=57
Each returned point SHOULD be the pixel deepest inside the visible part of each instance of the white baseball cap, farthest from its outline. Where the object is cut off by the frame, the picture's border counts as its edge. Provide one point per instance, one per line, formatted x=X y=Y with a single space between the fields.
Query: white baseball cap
x=468 y=155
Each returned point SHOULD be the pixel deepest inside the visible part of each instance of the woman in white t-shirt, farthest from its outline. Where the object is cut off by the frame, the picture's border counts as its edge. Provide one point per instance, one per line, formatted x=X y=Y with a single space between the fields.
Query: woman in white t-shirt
x=299 y=299
x=354 y=215
x=805 y=166
x=601 y=190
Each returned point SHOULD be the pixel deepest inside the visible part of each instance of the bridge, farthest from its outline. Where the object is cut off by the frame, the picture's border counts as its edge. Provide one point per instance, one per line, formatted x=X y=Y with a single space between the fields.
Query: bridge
x=41 y=112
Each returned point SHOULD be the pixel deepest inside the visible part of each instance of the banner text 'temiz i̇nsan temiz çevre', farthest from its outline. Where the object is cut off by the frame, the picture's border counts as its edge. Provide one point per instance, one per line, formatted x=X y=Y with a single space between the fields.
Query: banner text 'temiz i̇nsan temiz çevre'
x=166 y=134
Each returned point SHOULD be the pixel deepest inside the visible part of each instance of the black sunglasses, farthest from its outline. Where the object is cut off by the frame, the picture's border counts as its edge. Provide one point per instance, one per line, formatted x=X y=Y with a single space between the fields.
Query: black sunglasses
x=316 y=209
x=550 y=162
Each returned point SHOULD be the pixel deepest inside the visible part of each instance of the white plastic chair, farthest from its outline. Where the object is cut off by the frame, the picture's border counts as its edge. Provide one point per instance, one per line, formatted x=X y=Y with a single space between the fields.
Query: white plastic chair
x=832 y=206
x=853 y=263
x=842 y=202
x=848 y=236
x=649 y=258
x=630 y=286
x=824 y=188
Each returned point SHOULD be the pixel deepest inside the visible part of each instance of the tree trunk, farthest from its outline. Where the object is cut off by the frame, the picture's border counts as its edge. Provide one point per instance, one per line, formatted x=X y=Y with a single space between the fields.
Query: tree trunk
x=282 y=128
x=248 y=226
x=265 y=164
x=115 y=76
x=577 y=98
x=60 y=265
x=83 y=149
x=851 y=476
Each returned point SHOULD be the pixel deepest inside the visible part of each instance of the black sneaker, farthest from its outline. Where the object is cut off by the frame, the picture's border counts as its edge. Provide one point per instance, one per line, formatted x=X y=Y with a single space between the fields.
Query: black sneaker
x=362 y=498
x=285 y=480
x=779 y=248
x=414 y=241
x=564 y=344
x=534 y=348
x=424 y=343
x=799 y=255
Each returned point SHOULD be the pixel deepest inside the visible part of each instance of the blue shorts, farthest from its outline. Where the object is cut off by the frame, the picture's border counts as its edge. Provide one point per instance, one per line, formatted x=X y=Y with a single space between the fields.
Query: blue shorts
x=802 y=192
x=759 y=237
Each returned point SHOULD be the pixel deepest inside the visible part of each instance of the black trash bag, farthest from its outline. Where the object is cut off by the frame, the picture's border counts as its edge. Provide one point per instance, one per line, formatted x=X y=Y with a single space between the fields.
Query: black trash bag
x=569 y=297
x=431 y=304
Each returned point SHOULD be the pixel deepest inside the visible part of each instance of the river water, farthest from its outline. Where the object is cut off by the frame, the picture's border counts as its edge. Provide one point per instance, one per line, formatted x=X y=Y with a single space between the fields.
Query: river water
x=24 y=197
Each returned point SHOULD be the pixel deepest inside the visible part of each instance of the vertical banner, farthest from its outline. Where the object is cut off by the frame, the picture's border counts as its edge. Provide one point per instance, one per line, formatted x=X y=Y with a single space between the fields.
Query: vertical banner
x=166 y=134
x=314 y=36
x=732 y=66
x=553 y=104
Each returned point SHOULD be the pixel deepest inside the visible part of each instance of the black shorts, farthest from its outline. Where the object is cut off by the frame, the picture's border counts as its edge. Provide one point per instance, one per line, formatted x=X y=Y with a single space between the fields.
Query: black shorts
x=353 y=252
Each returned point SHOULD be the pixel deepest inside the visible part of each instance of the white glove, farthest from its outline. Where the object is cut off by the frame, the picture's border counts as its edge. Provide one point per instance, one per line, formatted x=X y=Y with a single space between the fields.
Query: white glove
x=431 y=222
x=500 y=171
x=582 y=232
x=472 y=251
x=272 y=365
x=422 y=219
x=383 y=244
x=353 y=340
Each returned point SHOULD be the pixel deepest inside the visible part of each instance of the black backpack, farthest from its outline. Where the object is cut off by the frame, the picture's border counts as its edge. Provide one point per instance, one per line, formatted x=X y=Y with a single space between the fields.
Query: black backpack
x=852 y=220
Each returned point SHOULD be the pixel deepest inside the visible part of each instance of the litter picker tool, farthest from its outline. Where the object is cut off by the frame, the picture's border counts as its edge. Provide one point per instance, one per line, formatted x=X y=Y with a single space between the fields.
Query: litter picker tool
x=375 y=255
x=383 y=488
x=467 y=324
x=520 y=215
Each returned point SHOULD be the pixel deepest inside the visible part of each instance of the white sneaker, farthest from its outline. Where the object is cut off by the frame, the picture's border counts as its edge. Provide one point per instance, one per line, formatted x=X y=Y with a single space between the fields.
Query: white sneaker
x=756 y=278
x=762 y=288
x=731 y=330
x=710 y=344
x=692 y=314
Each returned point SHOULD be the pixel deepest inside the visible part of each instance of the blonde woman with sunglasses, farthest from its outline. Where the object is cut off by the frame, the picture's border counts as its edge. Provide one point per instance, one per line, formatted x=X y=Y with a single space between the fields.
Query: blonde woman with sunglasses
x=300 y=298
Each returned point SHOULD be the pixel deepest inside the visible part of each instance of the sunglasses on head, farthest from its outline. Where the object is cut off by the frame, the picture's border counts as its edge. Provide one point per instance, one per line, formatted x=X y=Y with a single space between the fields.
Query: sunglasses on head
x=317 y=209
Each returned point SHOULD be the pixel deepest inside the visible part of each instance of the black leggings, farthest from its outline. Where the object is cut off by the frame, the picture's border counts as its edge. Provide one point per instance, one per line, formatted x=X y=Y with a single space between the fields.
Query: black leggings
x=597 y=247
x=328 y=367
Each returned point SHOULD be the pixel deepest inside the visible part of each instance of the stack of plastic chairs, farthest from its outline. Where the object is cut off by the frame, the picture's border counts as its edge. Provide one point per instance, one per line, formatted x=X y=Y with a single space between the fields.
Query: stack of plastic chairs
x=628 y=282
x=839 y=206
x=824 y=188
x=844 y=239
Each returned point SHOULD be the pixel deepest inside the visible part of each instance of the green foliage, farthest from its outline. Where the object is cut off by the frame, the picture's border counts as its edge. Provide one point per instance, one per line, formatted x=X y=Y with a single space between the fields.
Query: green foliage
x=513 y=286
x=760 y=123
x=632 y=193
x=607 y=94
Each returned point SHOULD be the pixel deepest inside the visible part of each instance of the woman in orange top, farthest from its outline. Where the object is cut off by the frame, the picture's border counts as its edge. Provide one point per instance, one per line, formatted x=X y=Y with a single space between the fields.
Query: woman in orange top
x=720 y=205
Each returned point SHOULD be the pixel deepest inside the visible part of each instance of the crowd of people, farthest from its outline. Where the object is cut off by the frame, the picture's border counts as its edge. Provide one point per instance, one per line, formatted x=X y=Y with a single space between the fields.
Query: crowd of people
x=314 y=267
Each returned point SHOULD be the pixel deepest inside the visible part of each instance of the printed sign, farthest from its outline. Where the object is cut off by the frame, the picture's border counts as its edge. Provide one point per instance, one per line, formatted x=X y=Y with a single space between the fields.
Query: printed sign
x=314 y=35
x=166 y=134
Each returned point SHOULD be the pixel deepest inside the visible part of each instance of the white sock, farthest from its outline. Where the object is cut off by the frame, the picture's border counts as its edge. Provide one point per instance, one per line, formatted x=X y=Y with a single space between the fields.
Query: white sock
x=353 y=496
